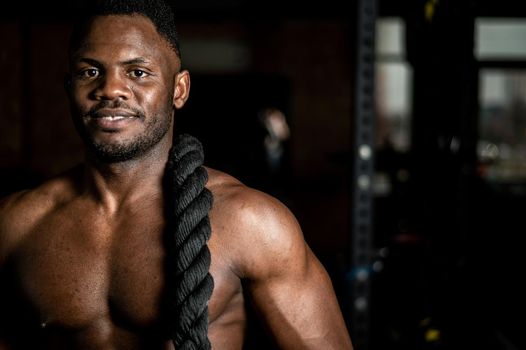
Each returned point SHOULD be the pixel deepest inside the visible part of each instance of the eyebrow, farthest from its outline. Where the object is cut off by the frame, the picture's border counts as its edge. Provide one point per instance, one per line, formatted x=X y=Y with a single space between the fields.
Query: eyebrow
x=89 y=61
x=137 y=60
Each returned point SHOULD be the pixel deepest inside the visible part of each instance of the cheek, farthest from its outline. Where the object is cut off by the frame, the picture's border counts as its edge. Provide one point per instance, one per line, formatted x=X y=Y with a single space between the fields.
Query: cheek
x=79 y=99
x=158 y=101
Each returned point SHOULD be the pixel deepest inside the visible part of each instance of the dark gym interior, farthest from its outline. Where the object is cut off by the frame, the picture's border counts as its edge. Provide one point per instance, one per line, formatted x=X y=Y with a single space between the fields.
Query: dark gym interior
x=412 y=202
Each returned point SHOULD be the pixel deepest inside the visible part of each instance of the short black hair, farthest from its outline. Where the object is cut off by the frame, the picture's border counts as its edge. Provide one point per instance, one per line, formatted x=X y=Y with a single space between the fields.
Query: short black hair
x=158 y=11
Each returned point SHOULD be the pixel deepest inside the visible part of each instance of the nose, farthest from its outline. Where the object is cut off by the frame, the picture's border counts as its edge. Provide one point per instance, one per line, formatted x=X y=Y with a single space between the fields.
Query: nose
x=112 y=86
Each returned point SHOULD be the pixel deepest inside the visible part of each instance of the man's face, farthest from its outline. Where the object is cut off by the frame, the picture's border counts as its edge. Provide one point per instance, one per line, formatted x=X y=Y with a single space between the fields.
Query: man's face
x=124 y=87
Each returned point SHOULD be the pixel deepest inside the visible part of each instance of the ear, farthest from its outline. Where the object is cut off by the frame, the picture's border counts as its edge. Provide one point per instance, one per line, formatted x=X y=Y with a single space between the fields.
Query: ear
x=182 y=88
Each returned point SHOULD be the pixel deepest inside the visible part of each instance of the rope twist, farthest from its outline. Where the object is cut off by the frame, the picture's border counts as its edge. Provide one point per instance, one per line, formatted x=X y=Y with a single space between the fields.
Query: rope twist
x=189 y=283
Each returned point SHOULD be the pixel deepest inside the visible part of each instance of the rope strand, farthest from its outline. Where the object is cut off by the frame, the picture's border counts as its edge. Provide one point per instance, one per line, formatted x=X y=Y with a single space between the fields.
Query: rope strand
x=189 y=283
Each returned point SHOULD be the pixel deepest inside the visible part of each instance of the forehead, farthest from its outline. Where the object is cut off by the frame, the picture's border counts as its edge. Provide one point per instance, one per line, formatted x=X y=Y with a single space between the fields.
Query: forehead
x=130 y=35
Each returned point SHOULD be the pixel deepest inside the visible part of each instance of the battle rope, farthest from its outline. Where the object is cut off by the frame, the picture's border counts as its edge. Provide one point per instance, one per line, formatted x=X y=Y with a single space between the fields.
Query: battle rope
x=189 y=283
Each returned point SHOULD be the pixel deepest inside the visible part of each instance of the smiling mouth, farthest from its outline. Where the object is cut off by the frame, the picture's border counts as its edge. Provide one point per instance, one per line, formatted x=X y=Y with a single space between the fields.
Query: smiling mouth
x=112 y=114
x=113 y=117
x=112 y=120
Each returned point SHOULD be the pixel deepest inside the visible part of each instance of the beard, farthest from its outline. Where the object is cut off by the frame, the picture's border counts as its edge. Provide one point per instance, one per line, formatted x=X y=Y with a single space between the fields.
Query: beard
x=156 y=127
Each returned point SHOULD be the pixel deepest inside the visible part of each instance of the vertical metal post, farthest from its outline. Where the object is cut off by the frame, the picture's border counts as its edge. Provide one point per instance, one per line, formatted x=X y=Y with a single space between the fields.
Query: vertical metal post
x=363 y=172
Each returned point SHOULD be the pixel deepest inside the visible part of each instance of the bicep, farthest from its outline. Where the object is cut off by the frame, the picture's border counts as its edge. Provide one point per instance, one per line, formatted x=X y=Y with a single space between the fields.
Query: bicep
x=299 y=306
x=287 y=285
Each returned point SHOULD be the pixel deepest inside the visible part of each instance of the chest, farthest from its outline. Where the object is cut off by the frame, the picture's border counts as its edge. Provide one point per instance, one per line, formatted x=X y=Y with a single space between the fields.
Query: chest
x=77 y=272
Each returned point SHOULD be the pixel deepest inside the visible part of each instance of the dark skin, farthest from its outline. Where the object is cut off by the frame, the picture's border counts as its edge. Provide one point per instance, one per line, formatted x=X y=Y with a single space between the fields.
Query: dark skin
x=81 y=256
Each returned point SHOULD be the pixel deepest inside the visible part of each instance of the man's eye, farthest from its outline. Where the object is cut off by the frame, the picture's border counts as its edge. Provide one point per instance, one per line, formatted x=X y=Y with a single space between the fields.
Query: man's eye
x=90 y=73
x=138 y=73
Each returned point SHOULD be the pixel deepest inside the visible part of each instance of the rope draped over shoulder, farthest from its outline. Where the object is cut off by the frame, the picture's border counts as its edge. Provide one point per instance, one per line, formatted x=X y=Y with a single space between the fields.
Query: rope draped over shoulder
x=189 y=283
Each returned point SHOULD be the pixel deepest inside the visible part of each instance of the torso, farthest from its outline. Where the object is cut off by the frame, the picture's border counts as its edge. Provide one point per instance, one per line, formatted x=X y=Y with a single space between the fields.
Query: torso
x=81 y=280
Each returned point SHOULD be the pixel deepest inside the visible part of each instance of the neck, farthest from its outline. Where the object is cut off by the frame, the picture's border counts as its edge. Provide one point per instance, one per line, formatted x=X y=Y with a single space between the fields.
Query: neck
x=115 y=185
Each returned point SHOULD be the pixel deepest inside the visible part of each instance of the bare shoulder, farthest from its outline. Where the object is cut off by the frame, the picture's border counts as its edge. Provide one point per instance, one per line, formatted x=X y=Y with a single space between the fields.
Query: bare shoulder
x=285 y=282
x=260 y=230
x=21 y=211
x=255 y=212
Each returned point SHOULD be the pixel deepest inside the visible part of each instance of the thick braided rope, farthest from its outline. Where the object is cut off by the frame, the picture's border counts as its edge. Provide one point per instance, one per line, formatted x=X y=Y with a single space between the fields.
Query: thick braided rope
x=189 y=283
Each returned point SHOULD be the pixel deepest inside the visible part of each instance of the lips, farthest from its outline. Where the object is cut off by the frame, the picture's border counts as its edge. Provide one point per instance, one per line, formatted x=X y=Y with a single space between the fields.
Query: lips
x=112 y=113
x=112 y=119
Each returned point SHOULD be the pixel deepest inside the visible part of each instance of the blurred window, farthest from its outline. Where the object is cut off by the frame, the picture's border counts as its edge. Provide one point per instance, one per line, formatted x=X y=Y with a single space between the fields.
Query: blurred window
x=393 y=85
x=500 y=47
x=502 y=125
x=500 y=38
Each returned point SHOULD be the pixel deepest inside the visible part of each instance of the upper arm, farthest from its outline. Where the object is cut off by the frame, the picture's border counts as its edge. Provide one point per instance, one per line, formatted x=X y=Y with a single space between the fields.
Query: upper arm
x=5 y=244
x=6 y=207
x=18 y=212
x=287 y=285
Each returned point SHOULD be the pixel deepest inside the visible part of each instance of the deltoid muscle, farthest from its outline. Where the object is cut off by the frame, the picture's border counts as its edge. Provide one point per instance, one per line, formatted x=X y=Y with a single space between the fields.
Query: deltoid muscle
x=189 y=283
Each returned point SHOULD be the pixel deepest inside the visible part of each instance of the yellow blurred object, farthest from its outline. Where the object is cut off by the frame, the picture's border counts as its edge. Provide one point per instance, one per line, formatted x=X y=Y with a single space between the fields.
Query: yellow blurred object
x=432 y=335
x=429 y=9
